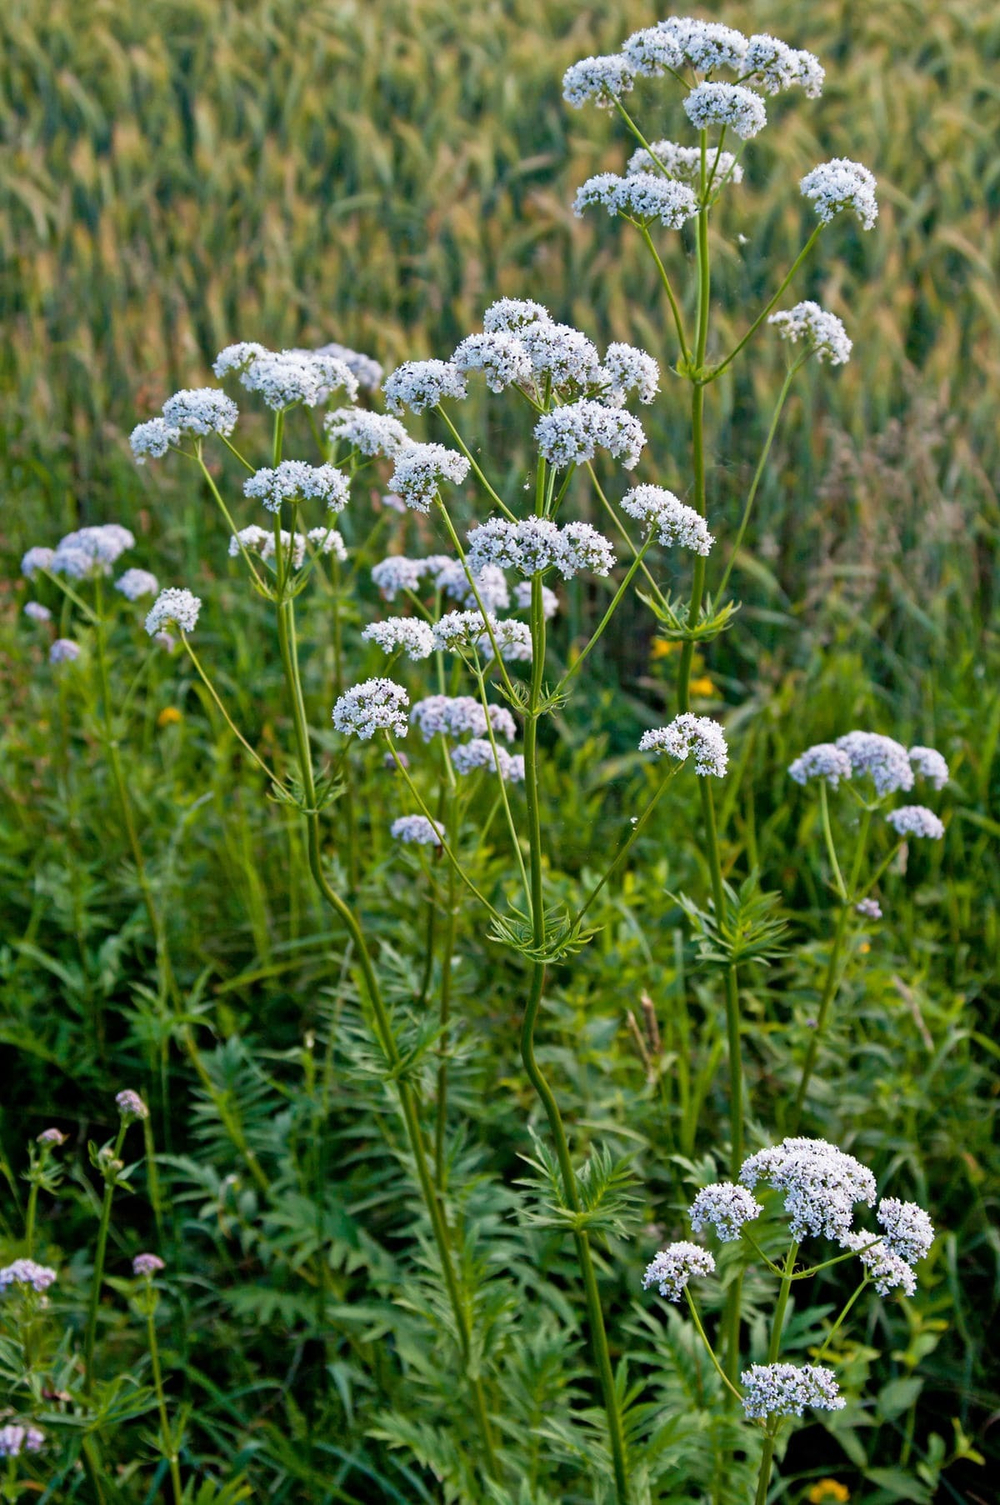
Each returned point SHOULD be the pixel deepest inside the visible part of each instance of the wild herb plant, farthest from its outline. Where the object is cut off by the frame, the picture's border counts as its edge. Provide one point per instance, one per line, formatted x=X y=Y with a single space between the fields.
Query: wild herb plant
x=470 y=821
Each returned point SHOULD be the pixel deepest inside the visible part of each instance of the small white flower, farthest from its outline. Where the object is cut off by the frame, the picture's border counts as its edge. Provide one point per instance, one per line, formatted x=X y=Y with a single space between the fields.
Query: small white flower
x=36 y=612
x=929 y=764
x=631 y=370
x=417 y=830
x=409 y=633
x=561 y=354
x=200 y=410
x=511 y=315
x=285 y=378
x=294 y=480
x=572 y=434
x=372 y=706
x=152 y=440
x=370 y=433
x=683 y=162
x=581 y=547
x=479 y=753
x=773 y=66
x=787 y=1389
x=731 y=105
x=883 y=759
x=602 y=79
x=726 y=1207
x=395 y=574
x=686 y=734
x=886 y=1269
x=420 y=469
x=643 y=196
x=172 y=605
x=676 y=524
x=822 y=761
x=707 y=45
x=652 y=52
x=131 y=1106
x=237 y=357
x=419 y=385
x=460 y=716
x=822 y=331
x=513 y=639
x=135 y=584
x=674 y=1266
x=327 y=541
x=367 y=371
x=25 y=1272
x=916 y=820
x=909 y=1232
x=820 y=1182
x=16 y=1439
x=842 y=184
x=500 y=355
x=90 y=551
x=871 y=909
x=37 y=558
x=64 y=651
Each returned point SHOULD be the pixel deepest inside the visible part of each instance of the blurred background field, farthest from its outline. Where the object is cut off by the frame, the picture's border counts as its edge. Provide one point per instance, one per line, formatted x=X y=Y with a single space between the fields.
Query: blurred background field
x=179 y=174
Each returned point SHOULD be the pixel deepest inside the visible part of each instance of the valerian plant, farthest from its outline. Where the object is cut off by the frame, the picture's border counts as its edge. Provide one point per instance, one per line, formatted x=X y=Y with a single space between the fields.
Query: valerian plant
x=468 y=669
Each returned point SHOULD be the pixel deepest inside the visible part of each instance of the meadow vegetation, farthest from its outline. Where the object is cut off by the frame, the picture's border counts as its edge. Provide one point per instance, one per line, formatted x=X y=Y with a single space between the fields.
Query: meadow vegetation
x=181 y=175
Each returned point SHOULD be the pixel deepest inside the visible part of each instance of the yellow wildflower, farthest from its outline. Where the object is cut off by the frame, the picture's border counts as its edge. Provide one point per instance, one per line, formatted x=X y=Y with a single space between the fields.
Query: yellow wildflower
x=169 y=716
x=704 y=688
x=828 y=1492
x=664 y=647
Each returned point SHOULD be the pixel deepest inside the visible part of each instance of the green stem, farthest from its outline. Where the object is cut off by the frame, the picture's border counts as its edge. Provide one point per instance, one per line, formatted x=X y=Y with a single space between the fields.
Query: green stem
x=445 y=845
x=764 y=1476
x=578 y=663
x=228 y=719
x=831 y=850
x=623 y=534
x=444 y=1015
x=29 y=1221
x=781 y=1305
x=678 y=325
x=636 y=832
x=98 y=1275
x=167 y=1442
x=800 y=258
x=723 y=1376
x=477 y=472
x=839 y=1322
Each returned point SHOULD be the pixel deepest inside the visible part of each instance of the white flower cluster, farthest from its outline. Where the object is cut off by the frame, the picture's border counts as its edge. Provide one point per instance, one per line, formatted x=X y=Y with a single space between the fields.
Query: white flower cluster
x=886 y=1270
x=509 y=315
x=16 y=1439
x=256 y=540
x=726 y=1207
x=535 y=544
x=36 y=558
x=82 y=553
x=147 y=1265
x=419 y=385
x=417 y=830
x=399 y=573
x=370 y=433
x=572 y=435
x=870 y=909
x=460 y=631
x=152 y=439
x=500 y=355
x=641 y=196
x=64 y=651
x=480 y=753
x=676 y=524
x=25 y=1272
x=367 y=370
x=460 y=716
x=916 y=820
x=412 y=634
x=602 y=79
x=561 y=355
x=172 y=605
x=842 y=184
x=787 y=1389
x=732 y=105
x=909 y=1232
x=929 y=764
x=683 y=162
x=372 y=706
x=825 y=760
x=772 y=65
x=821 y=1184
x=294 y=480
x=686 y=734
x=36 y=612
x=285 y=378
x=201 y=411
x=628 y=369
x=420 y=469
x=886 y=761
x=822 y=331
x=135 y=584
x=674 y=1266
x=131 y=1106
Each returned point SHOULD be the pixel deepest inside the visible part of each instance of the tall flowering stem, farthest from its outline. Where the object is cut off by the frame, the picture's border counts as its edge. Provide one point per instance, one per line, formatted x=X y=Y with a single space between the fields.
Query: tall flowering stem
x=100 y=1254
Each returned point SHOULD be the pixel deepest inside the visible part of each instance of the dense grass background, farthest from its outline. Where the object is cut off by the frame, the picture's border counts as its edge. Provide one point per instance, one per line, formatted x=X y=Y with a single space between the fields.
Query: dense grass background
x=184 y=173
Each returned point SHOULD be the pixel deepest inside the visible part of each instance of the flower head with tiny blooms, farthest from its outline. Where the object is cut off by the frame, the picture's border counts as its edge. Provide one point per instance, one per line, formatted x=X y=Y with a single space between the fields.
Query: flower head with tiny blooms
x=413 y=635
x=375 y=705
x=201 y=411
x=916 y=820
x=173 y=605
x=397 y=574
x=481 y=753
x=135 y=584
x=870 y=909
x=51 y=1137
x=37 y=558
x=772 y=65
x=675 y=523
x=929 y=764
x=571 y=435
x=885 y=1270
x=131 y=1107
x=500 y=355
x=522 y=599
x=36 y=612
x=294 y=480
x=628 y=369
x=147 y=1265
x=725 y=1207
x=511 y=315
x=823 y=332
x=25 y=1272
x=561 y=355
x=731 y=105
x=461 y=631
x=16 y=1439
x=152 y=440
x=688 y=734
x=787 y=1389
x=370 y=433
x=419 y=385
x=420 y=469
x=909 y=1232
x=821 y=1183
x=646 y=197
x=367 y=371
x=824 y=760
x=64 y=651
x=601 y=79
x=90 y=551
x=883 y=759
x=460 y=716
x=417 y=830
x=682 y=162
x=842 y=184
x=256 y=540
x=674 y=1266
x=286 y=378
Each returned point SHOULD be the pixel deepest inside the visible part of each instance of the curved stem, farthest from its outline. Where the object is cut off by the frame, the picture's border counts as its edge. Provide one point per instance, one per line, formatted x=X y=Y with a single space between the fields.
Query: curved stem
x=167 y=1441
x=578 y=663
x=477 y=472
x=93 y=1305
x=800 y=258
x=636 y=832
x=839 y=1322
x=678 y=325
x=623 y=534
x=831 y=850
x=723 y=1376
x=228 y=719
x=444 y=1015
